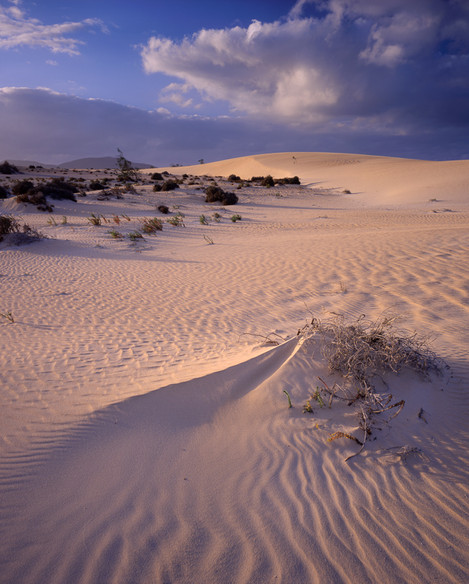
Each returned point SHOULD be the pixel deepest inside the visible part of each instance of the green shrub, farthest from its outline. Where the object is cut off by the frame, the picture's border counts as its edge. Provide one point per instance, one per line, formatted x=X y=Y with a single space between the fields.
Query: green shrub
x=177 y=220
x=152 y=225
x=235 y=218
x=115 y=234
x=135 y=235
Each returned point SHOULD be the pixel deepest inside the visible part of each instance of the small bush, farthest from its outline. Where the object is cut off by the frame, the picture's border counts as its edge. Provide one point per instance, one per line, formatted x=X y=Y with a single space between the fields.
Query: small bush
x=215 y=194
x=361 y=351
x=95 y=185
x=59 y=188
x=9 y=225
x=7 y=168
x=288 y=181
x=35 y=197
x=268 y=181
x=169 y=185
x=22 y=187
x=156 y=176
x=229 y=199
x=3 y=192
x=234 y=178
x=235 y=218
x=107 y=194
x=163 y=209
x=203 y=220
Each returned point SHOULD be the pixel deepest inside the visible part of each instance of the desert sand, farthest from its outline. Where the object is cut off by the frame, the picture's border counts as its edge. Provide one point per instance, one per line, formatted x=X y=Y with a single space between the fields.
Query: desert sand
x=146 y=436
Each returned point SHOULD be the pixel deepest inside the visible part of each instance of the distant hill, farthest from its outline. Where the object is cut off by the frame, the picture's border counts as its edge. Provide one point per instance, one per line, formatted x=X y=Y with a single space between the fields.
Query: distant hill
x=103 y=162
x=28 y=163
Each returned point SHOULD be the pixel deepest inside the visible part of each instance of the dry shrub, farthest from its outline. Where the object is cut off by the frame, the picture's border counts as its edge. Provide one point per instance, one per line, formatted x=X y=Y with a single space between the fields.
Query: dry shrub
x=361 y=350
x=17 y=233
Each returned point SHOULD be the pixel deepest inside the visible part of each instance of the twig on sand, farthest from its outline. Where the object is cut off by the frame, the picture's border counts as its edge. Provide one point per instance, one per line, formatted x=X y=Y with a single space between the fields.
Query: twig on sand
x=267 y=338
x=8 y=315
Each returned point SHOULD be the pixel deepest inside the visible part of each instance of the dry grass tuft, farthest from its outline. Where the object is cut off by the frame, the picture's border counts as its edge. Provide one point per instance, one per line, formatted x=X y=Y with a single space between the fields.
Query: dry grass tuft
x=362 y=350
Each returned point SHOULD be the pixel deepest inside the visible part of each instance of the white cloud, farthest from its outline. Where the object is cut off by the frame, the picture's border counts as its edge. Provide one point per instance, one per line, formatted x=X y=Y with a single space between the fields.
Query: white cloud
x=17 y=30
x=354 y=59
x=176 y=93
x=264 y=69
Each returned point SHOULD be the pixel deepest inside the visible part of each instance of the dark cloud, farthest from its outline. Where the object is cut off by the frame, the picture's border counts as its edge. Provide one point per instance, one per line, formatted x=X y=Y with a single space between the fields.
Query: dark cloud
x=39 y=124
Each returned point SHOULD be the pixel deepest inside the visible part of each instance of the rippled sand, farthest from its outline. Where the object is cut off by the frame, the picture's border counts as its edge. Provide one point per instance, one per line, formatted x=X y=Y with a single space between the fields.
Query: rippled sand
x=145 y=433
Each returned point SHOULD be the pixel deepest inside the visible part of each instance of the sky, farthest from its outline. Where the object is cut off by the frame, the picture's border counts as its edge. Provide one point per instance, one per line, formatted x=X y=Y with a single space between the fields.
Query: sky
x=173 y=82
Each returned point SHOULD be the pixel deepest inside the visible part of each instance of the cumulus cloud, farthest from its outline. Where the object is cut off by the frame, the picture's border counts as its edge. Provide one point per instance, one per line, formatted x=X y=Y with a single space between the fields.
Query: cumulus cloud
x=176 y=93
x=354 y=60
x=17 y=30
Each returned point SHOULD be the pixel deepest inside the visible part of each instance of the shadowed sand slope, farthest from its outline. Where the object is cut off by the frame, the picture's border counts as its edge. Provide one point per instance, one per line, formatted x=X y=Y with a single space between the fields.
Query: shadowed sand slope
x=217 y=480
x=375 y=179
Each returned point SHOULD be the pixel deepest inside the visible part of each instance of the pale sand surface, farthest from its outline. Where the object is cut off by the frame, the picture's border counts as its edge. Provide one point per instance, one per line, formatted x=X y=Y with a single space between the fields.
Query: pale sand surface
x=145 y=434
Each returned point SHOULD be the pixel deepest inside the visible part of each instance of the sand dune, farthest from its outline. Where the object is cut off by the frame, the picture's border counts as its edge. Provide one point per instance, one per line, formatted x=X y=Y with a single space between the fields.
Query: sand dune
x=146 y=436
x=375 y=180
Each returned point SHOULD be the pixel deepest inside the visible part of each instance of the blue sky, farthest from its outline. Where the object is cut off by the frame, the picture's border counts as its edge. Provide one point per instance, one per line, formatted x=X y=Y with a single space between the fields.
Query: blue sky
x=173 y=82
